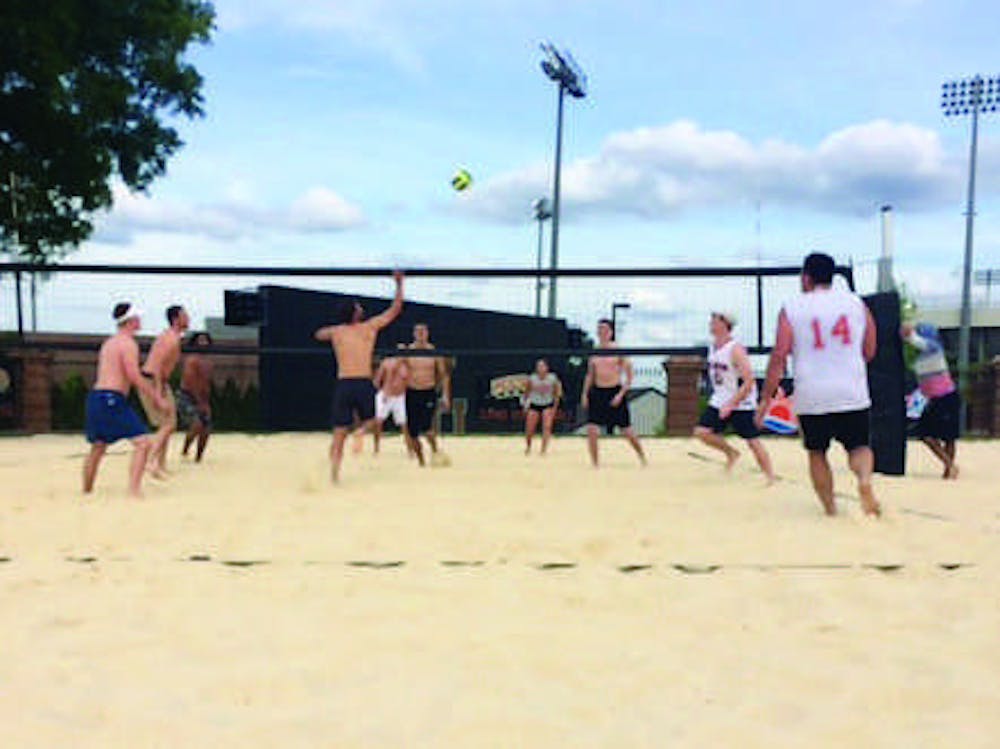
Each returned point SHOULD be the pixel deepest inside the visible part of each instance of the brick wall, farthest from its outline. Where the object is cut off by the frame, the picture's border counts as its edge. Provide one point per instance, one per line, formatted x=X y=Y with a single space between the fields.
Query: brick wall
x=44 y=367
x=683 y=378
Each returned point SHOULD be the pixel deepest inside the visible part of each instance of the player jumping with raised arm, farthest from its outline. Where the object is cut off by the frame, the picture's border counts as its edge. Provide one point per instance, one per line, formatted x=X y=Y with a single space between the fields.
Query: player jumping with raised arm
x=352 y=339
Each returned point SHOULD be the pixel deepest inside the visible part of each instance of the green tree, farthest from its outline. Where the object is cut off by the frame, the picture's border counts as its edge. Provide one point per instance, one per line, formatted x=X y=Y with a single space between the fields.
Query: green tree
x=89 y=90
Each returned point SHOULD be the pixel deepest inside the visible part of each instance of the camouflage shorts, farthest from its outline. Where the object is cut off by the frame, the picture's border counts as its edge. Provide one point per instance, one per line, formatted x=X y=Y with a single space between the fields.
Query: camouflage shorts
x=188 y=412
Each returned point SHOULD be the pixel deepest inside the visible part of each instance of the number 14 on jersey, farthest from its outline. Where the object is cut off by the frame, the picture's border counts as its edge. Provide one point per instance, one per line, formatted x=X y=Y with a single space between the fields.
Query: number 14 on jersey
x=841 y=330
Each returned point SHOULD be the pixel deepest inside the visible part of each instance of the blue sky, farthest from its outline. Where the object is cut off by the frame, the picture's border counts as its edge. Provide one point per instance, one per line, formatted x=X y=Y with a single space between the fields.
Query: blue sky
x=333 y=127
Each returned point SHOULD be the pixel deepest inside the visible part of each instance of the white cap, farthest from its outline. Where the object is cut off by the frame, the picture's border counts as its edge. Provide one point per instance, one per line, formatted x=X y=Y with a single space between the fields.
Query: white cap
x=130 y=312
x=729 y=317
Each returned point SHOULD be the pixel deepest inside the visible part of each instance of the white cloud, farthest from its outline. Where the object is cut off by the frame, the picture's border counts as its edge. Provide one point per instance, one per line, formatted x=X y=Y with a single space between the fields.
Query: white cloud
x=656 y=172
x=383 y=26
x=318 y=210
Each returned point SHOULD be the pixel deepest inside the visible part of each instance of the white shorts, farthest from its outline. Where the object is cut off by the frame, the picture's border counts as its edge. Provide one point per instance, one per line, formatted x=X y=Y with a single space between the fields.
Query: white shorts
x=391 y=405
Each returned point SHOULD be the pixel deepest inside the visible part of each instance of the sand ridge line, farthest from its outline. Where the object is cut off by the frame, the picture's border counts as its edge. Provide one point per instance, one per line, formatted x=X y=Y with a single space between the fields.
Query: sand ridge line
x=687 y=568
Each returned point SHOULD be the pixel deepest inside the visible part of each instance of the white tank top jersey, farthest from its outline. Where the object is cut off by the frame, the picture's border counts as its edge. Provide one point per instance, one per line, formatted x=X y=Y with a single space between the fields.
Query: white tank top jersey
x=725 y=377
x=543 y=391
x=830 y=373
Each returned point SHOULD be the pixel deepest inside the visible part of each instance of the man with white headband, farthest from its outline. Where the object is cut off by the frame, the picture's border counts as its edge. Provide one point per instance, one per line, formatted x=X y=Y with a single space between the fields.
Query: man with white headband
x=109 y=416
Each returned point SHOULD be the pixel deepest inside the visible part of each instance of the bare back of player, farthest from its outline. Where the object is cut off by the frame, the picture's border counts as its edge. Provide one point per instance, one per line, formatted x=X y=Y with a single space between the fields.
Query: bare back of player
x=109 y=417
x=159 y=366
x=194 y=400
x=352 y=339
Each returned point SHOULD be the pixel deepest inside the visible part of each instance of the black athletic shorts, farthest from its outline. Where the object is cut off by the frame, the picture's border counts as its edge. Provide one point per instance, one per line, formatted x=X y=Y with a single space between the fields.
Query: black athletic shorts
x=740 y=421
x=940 y=418
x=420 y=408
x=601 y=412
x=353 y=397
x=852 y=429
x=541 y=407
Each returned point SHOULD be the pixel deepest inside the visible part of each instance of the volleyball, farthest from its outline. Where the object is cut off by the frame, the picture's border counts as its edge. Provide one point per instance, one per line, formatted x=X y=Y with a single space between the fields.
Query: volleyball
x=780 y=418
x=462 y=180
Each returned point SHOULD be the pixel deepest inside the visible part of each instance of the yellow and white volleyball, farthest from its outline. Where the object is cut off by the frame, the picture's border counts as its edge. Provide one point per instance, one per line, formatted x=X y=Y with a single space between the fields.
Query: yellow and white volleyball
x=462 y=180
x=4 y=381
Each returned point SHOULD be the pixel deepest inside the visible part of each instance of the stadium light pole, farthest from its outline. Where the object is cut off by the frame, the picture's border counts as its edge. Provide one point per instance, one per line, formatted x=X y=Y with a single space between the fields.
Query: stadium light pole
x=959 y=98
x=989 y=278
x=561 y=68
x=542 y=213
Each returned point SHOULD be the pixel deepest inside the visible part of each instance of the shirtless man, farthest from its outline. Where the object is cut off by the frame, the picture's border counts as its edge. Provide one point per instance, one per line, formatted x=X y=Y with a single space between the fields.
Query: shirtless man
x=604 y=393
x=426 y=374
x=831 y=335
x=352 y=339
x=109 y=416
x=159 y=365
x=194 y=404
x=391 y=378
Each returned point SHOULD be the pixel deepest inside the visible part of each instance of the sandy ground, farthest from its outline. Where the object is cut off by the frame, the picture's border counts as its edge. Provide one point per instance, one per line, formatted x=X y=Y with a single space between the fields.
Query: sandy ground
x=500 y=602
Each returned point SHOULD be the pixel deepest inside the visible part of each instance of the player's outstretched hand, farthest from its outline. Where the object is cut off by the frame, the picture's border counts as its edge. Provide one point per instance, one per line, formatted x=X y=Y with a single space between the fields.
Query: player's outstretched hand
x=398 y=276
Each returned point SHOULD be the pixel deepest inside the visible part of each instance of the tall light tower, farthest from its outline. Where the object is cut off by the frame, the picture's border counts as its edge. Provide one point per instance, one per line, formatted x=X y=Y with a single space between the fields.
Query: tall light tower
x=560 y=67
x=962 y=97
x=542 y=212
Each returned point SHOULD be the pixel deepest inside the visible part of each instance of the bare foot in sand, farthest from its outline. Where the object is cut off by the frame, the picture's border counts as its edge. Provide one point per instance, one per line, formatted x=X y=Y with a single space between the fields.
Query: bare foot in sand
x=731 y=457
x=868 y=501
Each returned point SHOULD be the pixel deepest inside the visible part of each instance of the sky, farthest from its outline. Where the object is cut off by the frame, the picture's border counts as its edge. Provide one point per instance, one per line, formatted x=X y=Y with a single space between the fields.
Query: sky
x=713 y=133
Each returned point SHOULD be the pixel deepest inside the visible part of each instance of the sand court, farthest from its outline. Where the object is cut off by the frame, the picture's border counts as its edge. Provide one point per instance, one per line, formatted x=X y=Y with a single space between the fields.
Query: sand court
x=503 y=601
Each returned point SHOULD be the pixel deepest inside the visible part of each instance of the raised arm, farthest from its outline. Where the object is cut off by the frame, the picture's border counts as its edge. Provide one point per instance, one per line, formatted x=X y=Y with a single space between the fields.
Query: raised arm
x=325 y=333
x=871 y=336
x=383 y=320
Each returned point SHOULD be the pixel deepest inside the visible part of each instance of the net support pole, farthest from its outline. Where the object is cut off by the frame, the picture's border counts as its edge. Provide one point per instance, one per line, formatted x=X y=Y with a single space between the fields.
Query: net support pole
x=760 y=311
x=20 y=304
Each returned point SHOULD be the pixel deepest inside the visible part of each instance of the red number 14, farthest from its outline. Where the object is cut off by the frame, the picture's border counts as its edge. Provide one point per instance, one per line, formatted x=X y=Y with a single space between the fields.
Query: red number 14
x=841 y=330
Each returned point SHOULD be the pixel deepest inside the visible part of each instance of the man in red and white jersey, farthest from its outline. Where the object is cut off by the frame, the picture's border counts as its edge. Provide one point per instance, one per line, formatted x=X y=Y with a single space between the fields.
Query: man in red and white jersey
x=831 y=335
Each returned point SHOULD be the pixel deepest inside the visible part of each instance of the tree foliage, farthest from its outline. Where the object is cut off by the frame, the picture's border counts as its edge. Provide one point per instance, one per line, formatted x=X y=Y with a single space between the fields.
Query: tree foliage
x=90 y=91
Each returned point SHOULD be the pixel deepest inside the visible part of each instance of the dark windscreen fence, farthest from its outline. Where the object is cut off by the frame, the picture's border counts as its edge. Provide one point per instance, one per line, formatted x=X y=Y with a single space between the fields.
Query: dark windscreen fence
x=887 y=385
x=275 y=376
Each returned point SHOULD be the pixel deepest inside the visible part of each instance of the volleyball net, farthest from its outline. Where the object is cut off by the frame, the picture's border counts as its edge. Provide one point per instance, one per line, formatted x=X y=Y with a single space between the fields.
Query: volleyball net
x=490 y=325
